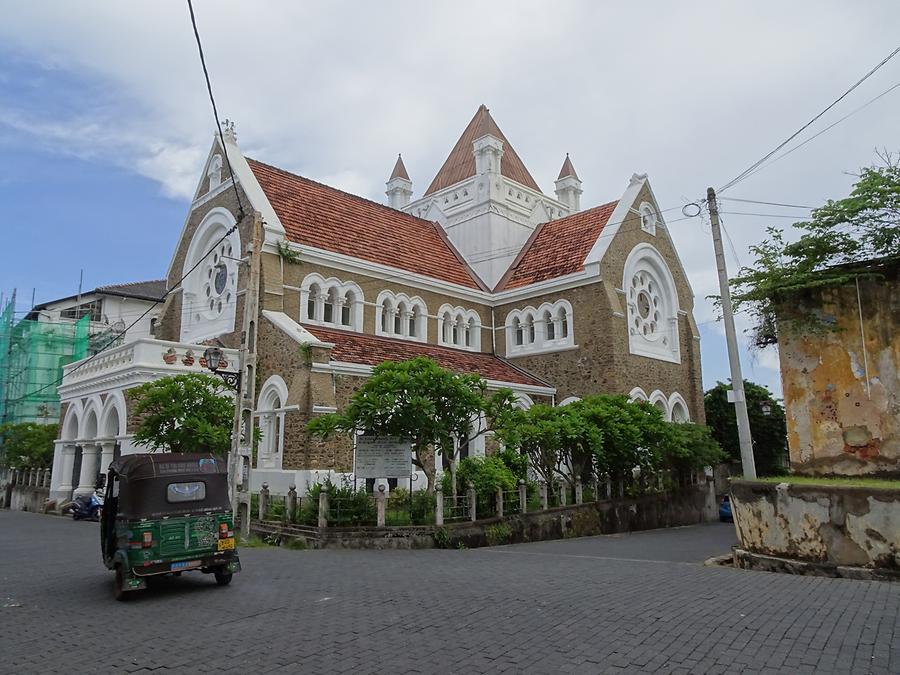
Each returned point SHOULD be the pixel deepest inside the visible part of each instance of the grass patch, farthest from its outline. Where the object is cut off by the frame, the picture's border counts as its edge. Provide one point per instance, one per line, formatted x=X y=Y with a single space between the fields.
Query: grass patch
x=251 y=542
x=883 y=483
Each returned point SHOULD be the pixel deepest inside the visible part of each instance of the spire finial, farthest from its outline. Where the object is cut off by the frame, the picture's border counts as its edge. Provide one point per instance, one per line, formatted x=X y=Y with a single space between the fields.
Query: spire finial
x=228 y=131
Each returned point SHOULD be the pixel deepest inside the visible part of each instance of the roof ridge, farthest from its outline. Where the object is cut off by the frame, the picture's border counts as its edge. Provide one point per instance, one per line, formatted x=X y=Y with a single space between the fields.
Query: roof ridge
x=132 y=283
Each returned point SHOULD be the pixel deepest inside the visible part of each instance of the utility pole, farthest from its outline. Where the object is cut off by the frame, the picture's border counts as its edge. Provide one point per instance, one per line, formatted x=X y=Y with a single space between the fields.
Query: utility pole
x=242 y=432
x=734 y=358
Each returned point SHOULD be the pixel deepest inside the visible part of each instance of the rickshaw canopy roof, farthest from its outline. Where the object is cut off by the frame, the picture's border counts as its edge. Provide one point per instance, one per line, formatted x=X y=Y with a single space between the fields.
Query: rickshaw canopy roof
x=168 y=465
x=145 y=478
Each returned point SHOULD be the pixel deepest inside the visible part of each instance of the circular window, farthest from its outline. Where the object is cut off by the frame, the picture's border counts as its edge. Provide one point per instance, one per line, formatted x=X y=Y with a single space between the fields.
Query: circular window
x=221 y=278
x=646 y=302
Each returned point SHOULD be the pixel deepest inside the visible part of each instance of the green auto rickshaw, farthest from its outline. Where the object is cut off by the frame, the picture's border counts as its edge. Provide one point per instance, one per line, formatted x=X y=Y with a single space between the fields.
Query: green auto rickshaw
x=167 y=514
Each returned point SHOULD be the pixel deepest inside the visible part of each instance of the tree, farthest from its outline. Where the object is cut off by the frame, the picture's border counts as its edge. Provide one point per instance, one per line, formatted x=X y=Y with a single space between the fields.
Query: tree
x=836 y=246
x=419 y=400
x=769 y=430
x=184 y=413
x=27 y=445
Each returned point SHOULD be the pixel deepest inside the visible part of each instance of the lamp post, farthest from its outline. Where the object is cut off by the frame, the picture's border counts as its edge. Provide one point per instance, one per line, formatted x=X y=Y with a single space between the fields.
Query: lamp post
x=215 y=359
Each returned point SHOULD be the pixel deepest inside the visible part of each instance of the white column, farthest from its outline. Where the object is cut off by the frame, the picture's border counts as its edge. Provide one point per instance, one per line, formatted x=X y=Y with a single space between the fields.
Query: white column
x=67 y=466
x=89 y=457
x=106 y=458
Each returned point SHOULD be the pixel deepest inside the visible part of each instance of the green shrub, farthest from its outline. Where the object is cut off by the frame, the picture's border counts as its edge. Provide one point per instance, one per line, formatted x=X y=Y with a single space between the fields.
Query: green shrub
x=498 y=534
x=486 y=474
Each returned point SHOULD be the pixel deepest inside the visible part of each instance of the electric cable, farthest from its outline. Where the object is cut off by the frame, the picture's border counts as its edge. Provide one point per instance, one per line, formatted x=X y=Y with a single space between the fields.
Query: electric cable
x=745 y=173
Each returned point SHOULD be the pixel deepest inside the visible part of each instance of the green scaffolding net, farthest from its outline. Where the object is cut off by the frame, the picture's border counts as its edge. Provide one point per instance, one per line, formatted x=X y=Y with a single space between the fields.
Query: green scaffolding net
x=33 y=352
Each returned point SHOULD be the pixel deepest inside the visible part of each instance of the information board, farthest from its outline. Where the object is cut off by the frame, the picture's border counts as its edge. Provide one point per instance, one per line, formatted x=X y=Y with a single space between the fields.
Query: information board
x=383 y=457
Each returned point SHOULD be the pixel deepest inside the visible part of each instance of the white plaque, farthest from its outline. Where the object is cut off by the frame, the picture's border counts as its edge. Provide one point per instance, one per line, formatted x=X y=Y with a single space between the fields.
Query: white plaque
x=383 y=457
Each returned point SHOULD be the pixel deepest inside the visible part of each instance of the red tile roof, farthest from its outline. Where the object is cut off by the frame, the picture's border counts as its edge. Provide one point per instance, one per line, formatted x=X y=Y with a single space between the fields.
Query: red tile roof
x=460 y=164
x=323 y=217
x=557 y=247
x=372 y=350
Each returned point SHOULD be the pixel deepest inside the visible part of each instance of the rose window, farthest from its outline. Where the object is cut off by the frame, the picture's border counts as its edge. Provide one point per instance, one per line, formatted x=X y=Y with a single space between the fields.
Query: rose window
x=647 y=307
x=216 y=280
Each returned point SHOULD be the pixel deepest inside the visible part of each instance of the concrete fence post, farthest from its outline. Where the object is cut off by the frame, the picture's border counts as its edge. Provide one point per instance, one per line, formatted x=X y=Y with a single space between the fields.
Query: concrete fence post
x=438 y=504
x=595 y=488
x=562 y=493
x=45 y=478
x=608 y=485
x=523 y=496
x=579 y=491
x=15 y=477
x=545 y=501
x=291 y=506
x=621 y=488
x=472 y=497
x=263 y=501
x=323 y=509
x=379 y=506
x=499 y=501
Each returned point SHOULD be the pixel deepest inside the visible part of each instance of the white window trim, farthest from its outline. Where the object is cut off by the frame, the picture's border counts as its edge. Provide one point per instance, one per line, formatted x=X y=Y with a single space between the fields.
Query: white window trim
x=270 y=455
x=646 y=257
x=644 y=209
x=195 y=329
x=412 y=303
x=469 y=317
x=659 y=400
x=326 y=287
x=541 y=344
x=676 y=399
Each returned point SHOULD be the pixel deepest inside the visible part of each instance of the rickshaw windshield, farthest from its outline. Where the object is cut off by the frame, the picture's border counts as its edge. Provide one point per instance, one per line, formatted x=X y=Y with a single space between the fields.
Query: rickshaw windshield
x=164 y=485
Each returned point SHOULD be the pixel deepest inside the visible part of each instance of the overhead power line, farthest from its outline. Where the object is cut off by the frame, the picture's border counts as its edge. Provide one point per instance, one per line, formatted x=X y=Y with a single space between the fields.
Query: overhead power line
x=746 y=172
x=757 y=201
x=819 y=133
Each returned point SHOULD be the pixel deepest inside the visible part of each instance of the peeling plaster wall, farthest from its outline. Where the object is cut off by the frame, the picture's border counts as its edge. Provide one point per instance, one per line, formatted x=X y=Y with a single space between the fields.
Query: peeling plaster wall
x=841 y=387
x=832 y=525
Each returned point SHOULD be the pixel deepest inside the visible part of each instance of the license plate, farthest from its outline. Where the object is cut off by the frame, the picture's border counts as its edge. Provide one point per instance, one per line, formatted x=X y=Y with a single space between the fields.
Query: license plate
x=185 y=565
x=226 y=544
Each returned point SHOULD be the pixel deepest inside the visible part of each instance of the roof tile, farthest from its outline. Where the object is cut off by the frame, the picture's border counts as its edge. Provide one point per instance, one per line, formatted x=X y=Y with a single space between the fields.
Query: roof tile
x=460 y=164
x=371 y=350
x=323 y=217
x=558 y=247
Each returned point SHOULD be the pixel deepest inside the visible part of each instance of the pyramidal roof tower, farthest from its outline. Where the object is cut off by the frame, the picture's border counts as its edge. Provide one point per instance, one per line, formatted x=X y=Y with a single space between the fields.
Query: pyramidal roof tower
x=485 y=199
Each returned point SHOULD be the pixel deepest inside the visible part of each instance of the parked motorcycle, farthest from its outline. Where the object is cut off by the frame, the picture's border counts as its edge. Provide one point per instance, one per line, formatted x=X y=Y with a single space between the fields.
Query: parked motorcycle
x=87 y=507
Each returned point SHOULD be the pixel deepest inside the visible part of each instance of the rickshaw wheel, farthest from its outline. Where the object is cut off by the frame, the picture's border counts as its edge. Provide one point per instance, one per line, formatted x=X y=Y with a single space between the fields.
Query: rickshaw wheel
x=223 y=577
x=120 y=581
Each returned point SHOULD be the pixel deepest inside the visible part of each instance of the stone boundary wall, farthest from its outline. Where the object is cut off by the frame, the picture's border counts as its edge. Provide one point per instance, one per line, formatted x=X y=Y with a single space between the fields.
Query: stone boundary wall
x=689 y=507
x=831 y=526
x=25 y=498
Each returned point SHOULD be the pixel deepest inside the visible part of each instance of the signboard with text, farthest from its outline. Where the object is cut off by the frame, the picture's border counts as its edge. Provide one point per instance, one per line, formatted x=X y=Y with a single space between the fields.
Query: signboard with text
x=383 y=457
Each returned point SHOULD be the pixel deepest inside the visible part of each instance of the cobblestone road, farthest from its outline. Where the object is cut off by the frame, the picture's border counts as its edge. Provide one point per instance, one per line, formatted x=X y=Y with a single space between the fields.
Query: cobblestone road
x=631 y=603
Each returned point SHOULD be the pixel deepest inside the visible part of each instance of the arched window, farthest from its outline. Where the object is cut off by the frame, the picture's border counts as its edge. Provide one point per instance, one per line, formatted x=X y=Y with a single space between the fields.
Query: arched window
x=678 y=408
x=270 y=409
x=459 y=327
x=549 y=325
x=346 y=307
x=314 y=298
x=414 y=319
x=331 y=302
x=652 y=302
x=386 y=313
x=543 y=329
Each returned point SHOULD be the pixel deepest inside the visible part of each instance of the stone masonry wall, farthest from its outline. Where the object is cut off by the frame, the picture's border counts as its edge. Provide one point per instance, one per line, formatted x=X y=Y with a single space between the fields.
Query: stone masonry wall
x=602 y=363
x=842 y=386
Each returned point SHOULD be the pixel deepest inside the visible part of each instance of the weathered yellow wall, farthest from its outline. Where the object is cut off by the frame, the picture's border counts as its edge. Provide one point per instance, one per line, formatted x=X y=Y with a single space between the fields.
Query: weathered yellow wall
x=840 y=419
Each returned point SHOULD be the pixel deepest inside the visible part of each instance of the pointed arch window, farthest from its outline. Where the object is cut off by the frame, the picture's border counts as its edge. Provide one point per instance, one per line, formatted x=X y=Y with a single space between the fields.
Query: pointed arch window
x=459 y=327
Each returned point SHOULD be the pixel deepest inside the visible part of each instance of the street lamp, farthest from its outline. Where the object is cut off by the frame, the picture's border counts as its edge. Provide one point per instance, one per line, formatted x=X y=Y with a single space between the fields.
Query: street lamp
x=215 y=359
x=766 y=408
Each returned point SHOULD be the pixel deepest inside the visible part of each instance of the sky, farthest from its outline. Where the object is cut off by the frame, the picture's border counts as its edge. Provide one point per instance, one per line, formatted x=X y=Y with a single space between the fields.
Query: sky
x=105 y=121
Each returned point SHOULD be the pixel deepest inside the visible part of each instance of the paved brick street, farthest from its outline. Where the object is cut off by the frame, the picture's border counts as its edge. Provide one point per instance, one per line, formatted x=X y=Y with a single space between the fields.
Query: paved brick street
x=630 y=603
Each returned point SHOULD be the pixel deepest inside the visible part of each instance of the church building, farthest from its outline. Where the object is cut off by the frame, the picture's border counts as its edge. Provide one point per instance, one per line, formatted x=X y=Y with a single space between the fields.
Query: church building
x=484 y=272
